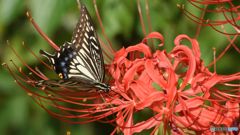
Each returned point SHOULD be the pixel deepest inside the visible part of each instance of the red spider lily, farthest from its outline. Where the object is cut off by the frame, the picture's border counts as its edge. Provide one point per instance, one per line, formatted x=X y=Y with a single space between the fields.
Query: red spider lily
x=181 y=92
x=188 y=97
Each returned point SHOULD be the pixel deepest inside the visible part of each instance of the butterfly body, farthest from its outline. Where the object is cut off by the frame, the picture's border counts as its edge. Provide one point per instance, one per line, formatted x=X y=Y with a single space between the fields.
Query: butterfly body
x=80 y=63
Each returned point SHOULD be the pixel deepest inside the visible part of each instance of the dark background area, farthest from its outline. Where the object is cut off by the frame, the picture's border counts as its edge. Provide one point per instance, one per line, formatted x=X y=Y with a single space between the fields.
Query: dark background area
x=20 y=115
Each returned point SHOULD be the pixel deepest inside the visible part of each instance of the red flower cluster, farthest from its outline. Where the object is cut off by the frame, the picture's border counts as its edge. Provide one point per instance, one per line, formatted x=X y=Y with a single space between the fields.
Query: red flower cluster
x=187 y=95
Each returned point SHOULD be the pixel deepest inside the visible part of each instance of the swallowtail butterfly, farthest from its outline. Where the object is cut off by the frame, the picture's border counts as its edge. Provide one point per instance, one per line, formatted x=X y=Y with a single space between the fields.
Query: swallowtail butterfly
x=80 y=63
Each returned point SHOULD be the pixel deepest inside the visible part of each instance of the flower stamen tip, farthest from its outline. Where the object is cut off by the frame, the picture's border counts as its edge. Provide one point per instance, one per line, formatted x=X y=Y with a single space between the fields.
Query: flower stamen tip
x=27 y=13
x=118 y=129
x=15 y=81
x=100 y=106
x=10 y=60
x=4 y=64
x=20 y=69
x=30 y=94
x=30 y=73
x=84 y=100
x=178 y=5
x=36 y=68
x=43 y=88
x=23 y=43
x=49 y=95
x=68 y=132
x=214 y=49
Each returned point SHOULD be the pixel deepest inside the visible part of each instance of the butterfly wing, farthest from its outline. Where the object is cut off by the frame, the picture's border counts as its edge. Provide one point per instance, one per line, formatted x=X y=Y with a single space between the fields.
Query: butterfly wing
x=85 y=43
x=81 y=59
x=67 y=83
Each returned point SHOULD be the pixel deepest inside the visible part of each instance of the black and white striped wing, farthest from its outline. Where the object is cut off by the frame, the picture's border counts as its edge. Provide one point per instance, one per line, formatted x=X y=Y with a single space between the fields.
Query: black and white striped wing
x=81 y=59
x=85 y=43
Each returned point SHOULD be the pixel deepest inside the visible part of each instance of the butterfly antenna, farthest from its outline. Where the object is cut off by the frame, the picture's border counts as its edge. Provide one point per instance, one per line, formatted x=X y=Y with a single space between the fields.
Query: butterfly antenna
x=104 y=100
x=118 y=93
x=115 y=98
x=115 y=87
x=108 y=106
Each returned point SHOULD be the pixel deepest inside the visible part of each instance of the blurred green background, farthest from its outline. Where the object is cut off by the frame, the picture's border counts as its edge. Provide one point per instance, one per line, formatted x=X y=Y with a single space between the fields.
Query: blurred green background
x=20 y=115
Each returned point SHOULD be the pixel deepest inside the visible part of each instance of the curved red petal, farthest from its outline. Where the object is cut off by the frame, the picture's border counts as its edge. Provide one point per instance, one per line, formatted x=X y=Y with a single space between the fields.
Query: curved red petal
x=154 y=35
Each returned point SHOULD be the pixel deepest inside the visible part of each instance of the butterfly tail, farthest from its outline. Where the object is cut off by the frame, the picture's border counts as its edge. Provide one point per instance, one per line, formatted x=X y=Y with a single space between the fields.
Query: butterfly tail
x=58 y=61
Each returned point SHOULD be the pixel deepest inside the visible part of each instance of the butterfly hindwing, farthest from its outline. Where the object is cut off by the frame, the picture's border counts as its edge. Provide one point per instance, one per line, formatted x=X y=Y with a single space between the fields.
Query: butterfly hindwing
x=67 y=83
x=66 y=63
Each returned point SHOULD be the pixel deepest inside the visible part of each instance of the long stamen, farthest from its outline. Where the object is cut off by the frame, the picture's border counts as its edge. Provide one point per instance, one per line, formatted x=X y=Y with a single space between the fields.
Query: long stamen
x=20 y=70
x=23 y=61
x=40 y=31
x=149 y=23
x=36 y=55
x=36 y=68
x=141 y=18
x=99 y=19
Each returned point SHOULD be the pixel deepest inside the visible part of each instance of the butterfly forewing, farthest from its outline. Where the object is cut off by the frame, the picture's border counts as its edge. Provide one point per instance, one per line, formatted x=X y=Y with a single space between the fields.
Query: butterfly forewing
x=81 y=59
x=85 y=42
